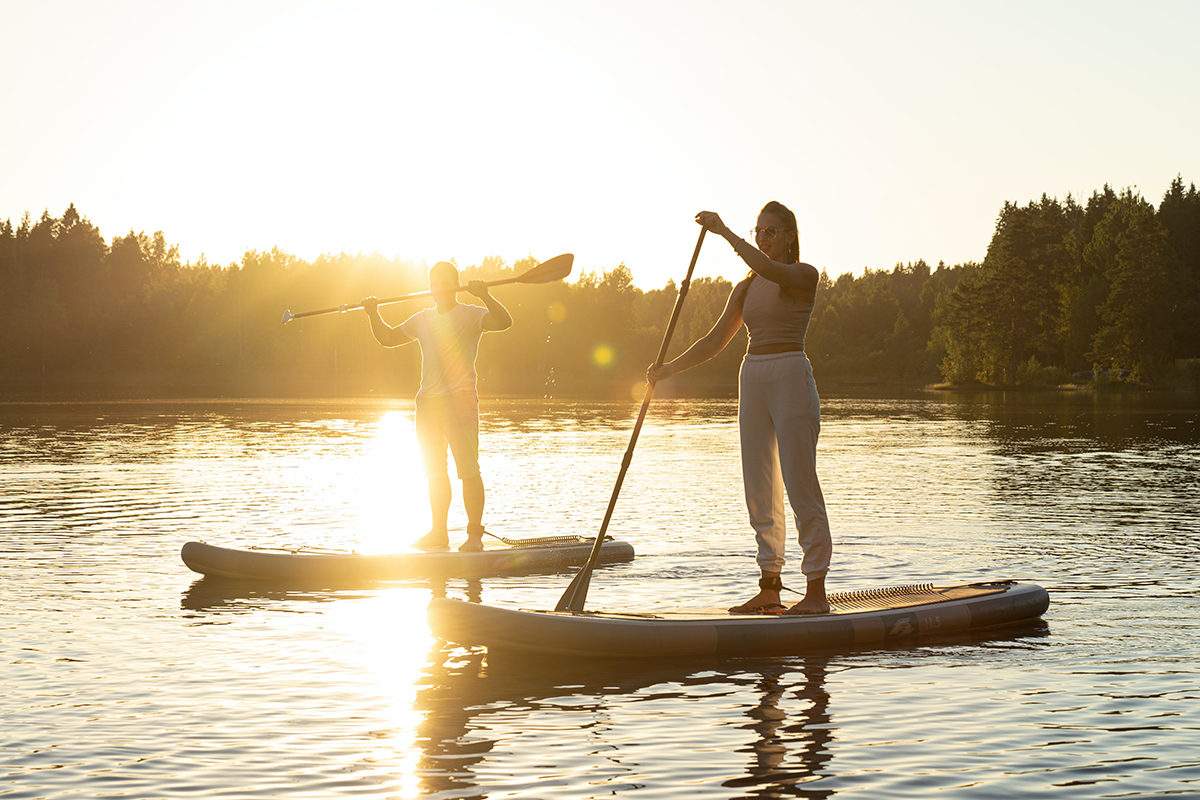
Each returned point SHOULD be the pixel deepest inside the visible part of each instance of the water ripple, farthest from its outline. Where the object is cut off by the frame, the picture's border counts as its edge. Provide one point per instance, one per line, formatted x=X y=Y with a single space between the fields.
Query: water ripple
x=125 y=675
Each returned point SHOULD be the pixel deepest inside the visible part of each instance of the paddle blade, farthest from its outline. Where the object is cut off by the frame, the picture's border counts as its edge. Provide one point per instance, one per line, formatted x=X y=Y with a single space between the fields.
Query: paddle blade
x=554 y=269
x=573 y=598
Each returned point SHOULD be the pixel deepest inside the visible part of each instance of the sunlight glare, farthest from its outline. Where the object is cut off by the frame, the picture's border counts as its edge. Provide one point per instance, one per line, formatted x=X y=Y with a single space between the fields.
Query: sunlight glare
x=557 y=312
x=391 y=642
x=394 y=494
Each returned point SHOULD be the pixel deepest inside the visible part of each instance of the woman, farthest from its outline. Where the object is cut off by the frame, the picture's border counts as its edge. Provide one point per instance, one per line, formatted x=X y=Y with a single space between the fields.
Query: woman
x=779 y=413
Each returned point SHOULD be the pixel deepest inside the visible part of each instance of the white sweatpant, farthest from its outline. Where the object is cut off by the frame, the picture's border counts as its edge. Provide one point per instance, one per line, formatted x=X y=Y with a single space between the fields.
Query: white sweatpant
x=779 y=416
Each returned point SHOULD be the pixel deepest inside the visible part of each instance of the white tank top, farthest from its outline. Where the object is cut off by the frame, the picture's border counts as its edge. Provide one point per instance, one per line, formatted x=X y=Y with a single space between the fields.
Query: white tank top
x=771 y=317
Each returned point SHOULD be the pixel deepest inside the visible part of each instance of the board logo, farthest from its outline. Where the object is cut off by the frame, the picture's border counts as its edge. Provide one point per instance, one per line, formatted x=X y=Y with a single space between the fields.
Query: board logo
x=904 y=625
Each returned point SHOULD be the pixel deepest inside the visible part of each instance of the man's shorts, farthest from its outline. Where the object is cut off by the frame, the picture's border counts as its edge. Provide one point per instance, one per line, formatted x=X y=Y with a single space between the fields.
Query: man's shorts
x=453 y=420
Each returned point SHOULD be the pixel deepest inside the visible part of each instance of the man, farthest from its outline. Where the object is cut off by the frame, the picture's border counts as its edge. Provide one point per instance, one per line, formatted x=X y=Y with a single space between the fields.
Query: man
x=447 y=404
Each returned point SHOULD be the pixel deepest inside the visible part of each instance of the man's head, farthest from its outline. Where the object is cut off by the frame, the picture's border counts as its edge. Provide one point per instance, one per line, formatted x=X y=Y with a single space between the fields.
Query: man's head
x=443 y=281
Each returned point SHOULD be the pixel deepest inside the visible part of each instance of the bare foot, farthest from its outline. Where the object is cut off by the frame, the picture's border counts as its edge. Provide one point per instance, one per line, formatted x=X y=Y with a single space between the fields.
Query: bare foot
x=810 y=606
x=765 y=600
x=814 y=602
x=434 y=540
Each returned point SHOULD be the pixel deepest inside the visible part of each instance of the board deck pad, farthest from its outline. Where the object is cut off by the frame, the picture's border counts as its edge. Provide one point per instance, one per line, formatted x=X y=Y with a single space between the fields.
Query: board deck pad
x=908 y=596
x=890 y=598
x=311 y=550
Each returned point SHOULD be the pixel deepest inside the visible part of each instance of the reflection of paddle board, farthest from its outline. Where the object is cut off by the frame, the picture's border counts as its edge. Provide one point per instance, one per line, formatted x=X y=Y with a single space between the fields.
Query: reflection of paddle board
x=223 y=562
x=880 y=615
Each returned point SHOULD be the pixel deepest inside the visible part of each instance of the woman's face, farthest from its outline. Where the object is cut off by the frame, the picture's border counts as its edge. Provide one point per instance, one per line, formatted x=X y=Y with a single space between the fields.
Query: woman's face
x=773 y=247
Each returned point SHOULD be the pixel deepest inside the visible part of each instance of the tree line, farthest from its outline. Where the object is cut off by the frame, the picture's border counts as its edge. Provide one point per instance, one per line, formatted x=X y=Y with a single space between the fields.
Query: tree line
x=1106 y=289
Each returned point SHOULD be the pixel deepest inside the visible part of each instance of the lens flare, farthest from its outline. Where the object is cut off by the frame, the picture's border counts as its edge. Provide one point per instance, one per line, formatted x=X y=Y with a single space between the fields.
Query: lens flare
x=603 y=356
x=557 y=312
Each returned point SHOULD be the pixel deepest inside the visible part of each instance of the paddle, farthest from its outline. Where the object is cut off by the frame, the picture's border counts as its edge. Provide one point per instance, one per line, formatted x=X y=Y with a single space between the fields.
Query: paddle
x=576 y=594
x=554 y=269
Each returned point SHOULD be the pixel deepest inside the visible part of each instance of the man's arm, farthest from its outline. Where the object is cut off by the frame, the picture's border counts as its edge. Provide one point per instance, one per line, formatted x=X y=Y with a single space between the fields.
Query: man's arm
x=497 y=318
x=385 y=334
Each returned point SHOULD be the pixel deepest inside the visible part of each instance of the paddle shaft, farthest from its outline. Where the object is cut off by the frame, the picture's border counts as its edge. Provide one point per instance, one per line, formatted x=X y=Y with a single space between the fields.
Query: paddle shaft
x=576 y=594
x=553 y=269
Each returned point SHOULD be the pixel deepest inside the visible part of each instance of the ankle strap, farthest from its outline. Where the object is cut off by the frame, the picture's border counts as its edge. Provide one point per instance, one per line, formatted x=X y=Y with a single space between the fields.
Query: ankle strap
x=775 y=583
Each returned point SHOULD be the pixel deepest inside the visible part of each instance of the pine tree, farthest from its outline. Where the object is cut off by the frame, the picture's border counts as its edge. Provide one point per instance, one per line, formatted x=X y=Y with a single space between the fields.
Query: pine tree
x=1140 y=319
x=1179 y=212
x=1027 y=278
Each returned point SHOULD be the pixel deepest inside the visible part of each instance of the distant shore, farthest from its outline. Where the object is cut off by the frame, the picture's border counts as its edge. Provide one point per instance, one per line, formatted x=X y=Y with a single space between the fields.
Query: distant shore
x=283 y=387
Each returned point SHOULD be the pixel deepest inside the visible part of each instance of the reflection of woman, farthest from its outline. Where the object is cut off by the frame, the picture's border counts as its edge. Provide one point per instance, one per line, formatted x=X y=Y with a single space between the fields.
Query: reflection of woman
x=792 y=751
x=779 y=413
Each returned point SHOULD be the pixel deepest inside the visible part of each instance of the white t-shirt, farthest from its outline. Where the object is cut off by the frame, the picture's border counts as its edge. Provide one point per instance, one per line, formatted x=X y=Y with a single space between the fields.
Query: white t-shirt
x=449 y=343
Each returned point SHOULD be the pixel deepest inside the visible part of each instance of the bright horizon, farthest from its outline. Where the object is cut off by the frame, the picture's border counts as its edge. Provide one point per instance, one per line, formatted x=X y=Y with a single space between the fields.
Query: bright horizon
x=466 y=129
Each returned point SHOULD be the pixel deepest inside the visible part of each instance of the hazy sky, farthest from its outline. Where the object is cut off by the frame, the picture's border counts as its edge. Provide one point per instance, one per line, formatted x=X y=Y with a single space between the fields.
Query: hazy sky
x=434 y=130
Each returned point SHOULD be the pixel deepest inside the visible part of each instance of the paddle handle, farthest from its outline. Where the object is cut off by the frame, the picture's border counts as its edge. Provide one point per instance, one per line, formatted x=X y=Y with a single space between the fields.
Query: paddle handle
x=288 y=316
x=683 y=290
x=552 y=269
x=575 y=595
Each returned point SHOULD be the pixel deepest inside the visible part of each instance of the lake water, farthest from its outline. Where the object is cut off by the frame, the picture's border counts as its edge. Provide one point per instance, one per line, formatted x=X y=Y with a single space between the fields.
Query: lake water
x=125 y=675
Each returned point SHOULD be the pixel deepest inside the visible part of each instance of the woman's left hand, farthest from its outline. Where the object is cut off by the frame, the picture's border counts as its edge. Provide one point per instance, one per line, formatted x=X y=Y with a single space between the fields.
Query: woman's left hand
x=711 y=221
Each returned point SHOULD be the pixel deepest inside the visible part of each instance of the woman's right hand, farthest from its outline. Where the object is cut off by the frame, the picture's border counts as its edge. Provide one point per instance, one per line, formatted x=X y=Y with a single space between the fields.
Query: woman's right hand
x=711 y=220
x=370 y=304
x=661 y=373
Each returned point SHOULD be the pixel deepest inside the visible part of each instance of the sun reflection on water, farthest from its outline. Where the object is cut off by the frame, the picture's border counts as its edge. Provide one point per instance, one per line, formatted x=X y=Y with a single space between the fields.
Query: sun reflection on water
x=388 y=645
x=392 y=491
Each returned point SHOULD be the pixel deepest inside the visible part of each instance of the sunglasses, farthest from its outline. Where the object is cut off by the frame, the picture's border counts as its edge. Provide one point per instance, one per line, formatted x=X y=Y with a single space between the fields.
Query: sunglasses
x=770 y=232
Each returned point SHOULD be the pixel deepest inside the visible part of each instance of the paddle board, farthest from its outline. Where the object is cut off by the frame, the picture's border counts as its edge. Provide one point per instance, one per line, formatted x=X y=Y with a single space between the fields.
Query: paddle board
x=223 y=562
x=863 y=617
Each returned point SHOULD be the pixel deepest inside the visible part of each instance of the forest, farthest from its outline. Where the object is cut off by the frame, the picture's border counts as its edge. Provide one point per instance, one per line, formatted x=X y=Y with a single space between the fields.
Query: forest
x=1102 y=292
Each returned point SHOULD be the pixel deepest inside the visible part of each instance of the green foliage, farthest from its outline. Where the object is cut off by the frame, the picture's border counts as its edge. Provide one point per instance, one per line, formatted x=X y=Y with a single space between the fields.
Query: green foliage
x=1033 y=375
x=875 y=327
x=1179 y=213
x=964 y=334
x=1142 y=317
x=1074 y=288
x=1110 y=285
x=1025 y=285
